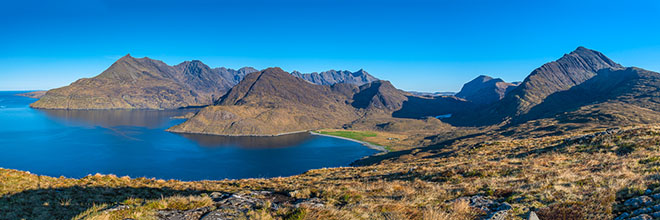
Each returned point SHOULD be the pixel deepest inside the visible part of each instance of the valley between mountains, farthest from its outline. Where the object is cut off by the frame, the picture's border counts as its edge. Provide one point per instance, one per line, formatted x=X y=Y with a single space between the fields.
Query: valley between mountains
x=576 y=139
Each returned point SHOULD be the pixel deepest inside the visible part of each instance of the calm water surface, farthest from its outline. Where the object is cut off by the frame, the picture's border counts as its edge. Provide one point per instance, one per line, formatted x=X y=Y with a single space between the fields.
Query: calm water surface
x=75 y=143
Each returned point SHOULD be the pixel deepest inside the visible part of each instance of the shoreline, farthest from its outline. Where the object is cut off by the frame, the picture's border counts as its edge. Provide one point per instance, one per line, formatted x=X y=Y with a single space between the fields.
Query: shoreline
x=366 y=144
x=238 y=135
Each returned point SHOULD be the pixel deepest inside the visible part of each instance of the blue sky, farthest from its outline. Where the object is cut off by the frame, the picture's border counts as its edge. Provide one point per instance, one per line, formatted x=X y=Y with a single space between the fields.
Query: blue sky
x=417 y=45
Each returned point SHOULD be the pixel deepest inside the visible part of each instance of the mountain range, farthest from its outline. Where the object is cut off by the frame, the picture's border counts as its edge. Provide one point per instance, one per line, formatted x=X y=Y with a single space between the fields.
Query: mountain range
x=581 y=86
x=332 y=77
x=144 y=83
x=568 y=71
x=273 y=102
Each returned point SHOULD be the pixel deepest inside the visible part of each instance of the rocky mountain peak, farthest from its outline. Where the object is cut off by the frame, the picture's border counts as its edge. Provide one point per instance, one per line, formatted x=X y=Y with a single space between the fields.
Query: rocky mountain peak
x=485 y=90
x=332 y=77
x=594 y=60
x=273 y=71
x=360 y=72
x=131 y=83
x=566 y=72
x=126 y=59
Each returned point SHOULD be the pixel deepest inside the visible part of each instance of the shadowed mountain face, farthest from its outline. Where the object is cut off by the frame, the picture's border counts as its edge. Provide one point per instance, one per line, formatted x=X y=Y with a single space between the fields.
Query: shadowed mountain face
x=383 y=97
x=332 y=77
x=379 y=95
x=132 y=83
x=485 y=90
x=613 y=96
x=273 y=102
x=570 y=70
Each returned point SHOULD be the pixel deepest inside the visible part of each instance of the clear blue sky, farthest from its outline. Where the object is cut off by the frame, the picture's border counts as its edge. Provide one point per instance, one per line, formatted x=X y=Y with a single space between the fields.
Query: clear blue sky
x=418 y=45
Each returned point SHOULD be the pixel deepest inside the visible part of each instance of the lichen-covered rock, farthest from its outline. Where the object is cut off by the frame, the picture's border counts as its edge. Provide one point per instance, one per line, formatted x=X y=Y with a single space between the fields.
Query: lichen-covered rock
x=655 y=214
x=638 y=201
x=493 y=210
x=183 y=215
x=622 y=216
x=642 y=217
x=641 y=211
x=656 y=196
x=656 y=207
x=237 y=205
x=310 y=203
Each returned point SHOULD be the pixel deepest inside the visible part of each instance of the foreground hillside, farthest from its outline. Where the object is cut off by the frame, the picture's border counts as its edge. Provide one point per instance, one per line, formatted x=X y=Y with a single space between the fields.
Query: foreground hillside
x=597 y=174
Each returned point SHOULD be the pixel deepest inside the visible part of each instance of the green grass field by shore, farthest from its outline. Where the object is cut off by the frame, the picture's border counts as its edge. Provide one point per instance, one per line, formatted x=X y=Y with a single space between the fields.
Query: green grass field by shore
x=356 y=135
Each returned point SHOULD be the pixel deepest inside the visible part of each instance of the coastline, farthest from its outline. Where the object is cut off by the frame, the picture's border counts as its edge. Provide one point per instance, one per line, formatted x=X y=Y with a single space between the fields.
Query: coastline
x=367 y=144
x=238 y=135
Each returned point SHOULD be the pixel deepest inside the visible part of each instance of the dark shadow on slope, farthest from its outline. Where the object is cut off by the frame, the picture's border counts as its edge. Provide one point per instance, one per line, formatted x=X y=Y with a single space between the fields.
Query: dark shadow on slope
x=280 y=141
x=66 y=203
x=481 y=115
x=371 y=160
x=601 y=93
x=607 y=85
x=363 y=98
x=421 y=107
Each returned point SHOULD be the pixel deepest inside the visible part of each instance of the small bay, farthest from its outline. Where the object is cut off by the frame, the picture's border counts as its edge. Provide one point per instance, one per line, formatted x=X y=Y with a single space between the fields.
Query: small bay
x=76 y=143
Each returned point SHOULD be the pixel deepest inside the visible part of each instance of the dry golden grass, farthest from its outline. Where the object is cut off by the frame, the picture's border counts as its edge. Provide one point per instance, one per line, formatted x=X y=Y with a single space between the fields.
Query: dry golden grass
x=556 y=176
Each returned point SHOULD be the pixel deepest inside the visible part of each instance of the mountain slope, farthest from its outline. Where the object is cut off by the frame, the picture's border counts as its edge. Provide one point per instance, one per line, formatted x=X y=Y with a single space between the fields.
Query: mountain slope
x=614 y=96
x=381 y=97
x=274 y=102
x=568 y=71
x=332 y=77
x=560 y=75
x=144 y=83
x=485 y=90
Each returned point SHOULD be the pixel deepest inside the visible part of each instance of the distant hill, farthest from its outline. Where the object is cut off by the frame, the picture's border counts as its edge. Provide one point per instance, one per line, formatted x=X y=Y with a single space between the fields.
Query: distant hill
x=274 y=102
x=132 y=83
x=570 y=70
x=332 y=77
x=431 y=94
x=485 y=90
x=34 y=94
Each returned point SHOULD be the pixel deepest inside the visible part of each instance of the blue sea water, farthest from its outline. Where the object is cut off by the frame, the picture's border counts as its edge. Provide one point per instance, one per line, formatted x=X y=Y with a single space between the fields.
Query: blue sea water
x=75 y=143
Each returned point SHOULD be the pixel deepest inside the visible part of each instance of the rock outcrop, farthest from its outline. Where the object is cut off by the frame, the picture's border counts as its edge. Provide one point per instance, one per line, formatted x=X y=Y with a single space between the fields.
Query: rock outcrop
x=640 y=207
